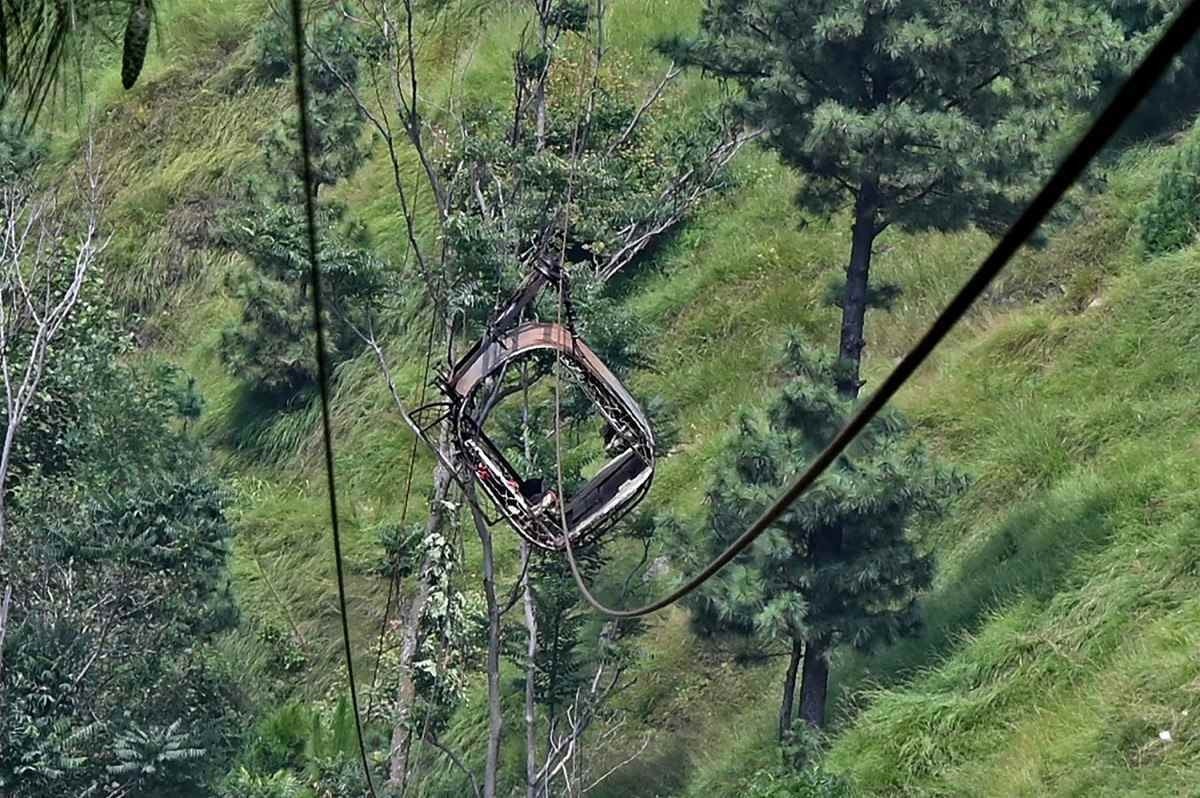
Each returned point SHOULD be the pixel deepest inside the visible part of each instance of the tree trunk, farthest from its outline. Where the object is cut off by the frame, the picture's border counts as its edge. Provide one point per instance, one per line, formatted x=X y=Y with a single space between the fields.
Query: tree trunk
x=815 y=677
x=813 y=685
x=789 y=690
x=410 y=619
x=495 y=718
x=854 y=302
x=531 y=651
x=539 y=91
x=10 y=434
x=4 y=627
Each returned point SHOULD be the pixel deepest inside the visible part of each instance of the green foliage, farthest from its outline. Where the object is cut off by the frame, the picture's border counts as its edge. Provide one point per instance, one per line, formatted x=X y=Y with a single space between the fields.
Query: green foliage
x=44 y=47
x=280 y=784
x=20 y=153
x=928 y=114
x=1170 y=218
x=286 y=654
x=1173 y=99
x=115 y=554
x=402 y=550
x=560 y=666
x=270 y=348
x=840 y=567
x=807 y=783
x=146 y=758
x=301 y=750
x=278 y=740
x=576 y=191
x=336 y=121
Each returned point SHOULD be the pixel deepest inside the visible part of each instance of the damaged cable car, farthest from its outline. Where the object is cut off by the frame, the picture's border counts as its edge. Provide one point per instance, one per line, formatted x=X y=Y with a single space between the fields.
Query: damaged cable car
x=536 y=512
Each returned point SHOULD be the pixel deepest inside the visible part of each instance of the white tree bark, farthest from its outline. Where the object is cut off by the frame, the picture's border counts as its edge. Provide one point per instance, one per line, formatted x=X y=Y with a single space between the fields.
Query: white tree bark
x=40 y=285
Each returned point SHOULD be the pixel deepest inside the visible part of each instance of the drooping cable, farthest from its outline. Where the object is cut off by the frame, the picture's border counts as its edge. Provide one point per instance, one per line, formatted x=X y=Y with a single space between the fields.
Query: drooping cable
x=1106 y=125
x=310 y=217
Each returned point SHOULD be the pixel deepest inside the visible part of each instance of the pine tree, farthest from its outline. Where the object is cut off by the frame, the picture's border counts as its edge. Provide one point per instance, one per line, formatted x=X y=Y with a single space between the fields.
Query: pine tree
x=840 y=567
x=930 y=114
x=270 y=347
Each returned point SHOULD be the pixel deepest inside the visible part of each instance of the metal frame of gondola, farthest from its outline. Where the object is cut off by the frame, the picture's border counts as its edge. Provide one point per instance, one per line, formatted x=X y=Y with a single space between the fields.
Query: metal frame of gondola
x=602 y=500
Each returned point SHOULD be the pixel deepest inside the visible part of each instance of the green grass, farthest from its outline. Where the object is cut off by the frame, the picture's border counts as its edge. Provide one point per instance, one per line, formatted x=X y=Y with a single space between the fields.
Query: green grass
x=1048 y=666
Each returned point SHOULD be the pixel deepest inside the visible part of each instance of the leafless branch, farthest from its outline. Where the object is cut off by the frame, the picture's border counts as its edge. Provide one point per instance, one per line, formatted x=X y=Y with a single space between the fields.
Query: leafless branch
x=673 y=72
x=34 y=304
x=677 y=199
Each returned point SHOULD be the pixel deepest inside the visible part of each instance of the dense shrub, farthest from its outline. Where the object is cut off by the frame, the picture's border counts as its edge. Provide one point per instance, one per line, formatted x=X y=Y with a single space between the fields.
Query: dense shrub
x=1171 y=217
x=115 y=558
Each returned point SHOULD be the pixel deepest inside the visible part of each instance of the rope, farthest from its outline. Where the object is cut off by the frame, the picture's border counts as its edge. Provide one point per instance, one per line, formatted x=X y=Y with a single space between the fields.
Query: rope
x=310 y=214
x=1102 y=130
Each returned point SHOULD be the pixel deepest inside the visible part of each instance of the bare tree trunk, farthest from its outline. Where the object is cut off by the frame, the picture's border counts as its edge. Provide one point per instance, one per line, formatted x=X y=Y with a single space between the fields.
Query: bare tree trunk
x=410 y=619
x=10 y=433
x=789 y=690
x=31 y=309
x=531 y=651
x=495 y=717
x=854 y=304
x=406 y=692
x=539 y=90
x=4 y=626
x=813 y=686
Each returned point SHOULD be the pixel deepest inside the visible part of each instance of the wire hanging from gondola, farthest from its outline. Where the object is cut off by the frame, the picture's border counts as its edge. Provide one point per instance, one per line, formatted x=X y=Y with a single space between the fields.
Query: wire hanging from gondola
x=531 y=505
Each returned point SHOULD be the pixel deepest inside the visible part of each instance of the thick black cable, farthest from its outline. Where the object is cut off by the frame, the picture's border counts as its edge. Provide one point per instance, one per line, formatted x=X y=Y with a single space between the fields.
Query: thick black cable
x=310 y=213
x=1135 y=87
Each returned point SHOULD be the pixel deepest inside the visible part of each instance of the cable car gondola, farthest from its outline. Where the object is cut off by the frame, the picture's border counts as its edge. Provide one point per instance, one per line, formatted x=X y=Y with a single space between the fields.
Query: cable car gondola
x=530 y=503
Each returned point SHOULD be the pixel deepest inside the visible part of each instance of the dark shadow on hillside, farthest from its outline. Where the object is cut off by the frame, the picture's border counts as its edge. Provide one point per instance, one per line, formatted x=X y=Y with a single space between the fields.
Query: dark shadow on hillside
x=646 y=265
x=1028 y=555
x=253 y=415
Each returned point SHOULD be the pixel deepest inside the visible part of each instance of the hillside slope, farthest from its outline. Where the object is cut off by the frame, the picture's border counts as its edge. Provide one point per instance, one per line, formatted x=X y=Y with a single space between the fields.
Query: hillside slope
x=1060 y=635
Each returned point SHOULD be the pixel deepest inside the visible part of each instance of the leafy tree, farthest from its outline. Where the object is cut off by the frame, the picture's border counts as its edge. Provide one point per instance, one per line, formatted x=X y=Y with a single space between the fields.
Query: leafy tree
x=576 y=167
x=840 y=566
x=1174 y=98
x=271 y=346
x=116 y=556
x=923 y=115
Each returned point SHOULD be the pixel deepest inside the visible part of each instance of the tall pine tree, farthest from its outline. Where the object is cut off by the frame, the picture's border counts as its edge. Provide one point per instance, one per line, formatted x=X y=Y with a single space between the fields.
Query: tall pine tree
x=269 y=347
x=839 y=567
x=927 y=114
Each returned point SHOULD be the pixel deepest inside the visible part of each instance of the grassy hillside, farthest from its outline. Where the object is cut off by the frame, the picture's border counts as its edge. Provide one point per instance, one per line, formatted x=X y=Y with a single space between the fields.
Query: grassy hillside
x=1060 y=637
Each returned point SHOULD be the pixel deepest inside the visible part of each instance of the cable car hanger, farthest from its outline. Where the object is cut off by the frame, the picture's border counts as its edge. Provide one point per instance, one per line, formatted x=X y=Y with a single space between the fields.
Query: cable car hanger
x=533 y=508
